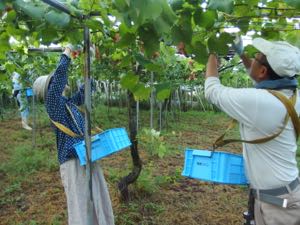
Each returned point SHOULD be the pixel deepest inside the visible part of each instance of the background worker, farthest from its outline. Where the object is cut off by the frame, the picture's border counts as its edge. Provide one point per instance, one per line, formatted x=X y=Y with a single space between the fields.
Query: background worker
x=271 y=167
x=20 y=95
x=64 y=111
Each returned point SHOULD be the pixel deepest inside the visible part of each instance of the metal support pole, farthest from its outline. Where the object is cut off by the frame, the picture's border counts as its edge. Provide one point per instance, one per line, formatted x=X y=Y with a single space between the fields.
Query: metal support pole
x=33 y=121
x=87 y=130
x=58 y=6
x=160 y=116
x=151 y=102
x=137 y=114
x=48 y=49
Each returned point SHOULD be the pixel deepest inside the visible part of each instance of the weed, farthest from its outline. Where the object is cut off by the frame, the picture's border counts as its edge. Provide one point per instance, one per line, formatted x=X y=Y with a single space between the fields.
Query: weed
x=12 y=188
x=153 y=142
x=58 y=220
x=25 y=160
x=154 y=208
x=145 y=181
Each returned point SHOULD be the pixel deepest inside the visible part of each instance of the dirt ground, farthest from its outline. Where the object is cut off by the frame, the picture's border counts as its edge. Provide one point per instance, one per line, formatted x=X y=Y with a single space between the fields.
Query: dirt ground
x=40 y=199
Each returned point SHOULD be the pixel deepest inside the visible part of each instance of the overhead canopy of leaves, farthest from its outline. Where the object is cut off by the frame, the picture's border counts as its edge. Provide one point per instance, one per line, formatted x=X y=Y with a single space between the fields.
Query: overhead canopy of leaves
x=135 y=31
x=223 y=6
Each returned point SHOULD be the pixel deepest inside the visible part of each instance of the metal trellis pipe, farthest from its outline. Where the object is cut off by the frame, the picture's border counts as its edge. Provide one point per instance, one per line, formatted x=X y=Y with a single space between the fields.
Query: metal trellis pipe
x=61 y=7
x=87 y=131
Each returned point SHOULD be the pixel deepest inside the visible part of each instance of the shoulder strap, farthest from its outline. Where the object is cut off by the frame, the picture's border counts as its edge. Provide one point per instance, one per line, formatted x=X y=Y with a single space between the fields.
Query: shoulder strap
x=291 y=112
x=73 y=118
x=65 y=129
x=289 y=105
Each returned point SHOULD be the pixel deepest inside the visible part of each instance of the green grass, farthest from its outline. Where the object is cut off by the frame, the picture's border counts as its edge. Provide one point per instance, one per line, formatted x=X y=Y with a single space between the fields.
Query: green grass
x=25 y=160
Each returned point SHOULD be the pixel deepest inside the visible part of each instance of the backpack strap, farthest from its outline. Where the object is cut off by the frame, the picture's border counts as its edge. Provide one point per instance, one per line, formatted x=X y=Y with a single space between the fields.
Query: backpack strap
x=291 y=112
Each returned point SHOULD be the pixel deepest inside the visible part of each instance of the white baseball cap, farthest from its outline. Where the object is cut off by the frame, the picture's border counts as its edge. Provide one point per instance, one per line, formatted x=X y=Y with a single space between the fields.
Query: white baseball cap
x=283 y=57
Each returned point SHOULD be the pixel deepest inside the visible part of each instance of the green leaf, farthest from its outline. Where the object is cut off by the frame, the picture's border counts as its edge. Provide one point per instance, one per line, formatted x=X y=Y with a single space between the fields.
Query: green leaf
x=205 y=19
x=57 y=19
x=14 y=32
x=293 y=3
x=154 y=67
x=200 y=52
x=161 y=26
x=221 y=5
x=183 y=32
x=250 y=51
x=2 y=6
x=150 y=39
x=126 y=40
x=270 y=34
x=244 y=10
x=141 y=59
x=121 y=5
x=146 y=10
x=117 y=55
x=176 y=4
x=243 y=24
x=162 y=150
x=294 y=38
x=253 y=2
x=163 y=91
x=219 y=44
x=126 y=61
x=185 y=24
x=36 y=11
x=74 y=10
x=226 y=38
x=141 y=92
x=47 y=35
x=129 y=81
x=11 y=16
x=166 y=20
x=4 y=43
x=10 y=67
x=94 y=24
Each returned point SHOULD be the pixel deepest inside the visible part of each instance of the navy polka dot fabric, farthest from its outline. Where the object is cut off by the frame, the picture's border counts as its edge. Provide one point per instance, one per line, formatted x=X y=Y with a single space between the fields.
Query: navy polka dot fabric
x=56 y=108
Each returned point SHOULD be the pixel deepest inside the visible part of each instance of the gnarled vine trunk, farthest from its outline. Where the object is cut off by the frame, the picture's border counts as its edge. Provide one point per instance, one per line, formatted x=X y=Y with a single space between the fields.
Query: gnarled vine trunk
x=137 y=163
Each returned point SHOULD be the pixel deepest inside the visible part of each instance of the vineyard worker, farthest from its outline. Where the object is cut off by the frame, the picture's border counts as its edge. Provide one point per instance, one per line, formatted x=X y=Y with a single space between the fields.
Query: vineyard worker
x=63 y=110
x=271 y=167
x=19 y=94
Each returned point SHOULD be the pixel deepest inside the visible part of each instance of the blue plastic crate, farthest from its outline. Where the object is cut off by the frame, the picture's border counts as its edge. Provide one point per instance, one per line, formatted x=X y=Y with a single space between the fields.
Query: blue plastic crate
x=29 y=92
x=218 y=167
x=104 y=144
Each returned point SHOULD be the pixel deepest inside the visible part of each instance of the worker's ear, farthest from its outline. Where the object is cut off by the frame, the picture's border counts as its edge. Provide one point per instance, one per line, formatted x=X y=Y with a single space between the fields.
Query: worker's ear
x=262 y=73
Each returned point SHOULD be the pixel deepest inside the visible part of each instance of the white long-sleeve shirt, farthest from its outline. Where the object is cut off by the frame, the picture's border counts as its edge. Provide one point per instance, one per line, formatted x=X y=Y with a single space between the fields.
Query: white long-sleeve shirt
x=260 y=114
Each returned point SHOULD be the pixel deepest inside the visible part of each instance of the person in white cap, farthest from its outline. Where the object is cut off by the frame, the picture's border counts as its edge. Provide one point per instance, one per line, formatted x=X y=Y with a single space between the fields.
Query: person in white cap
x=270 y=166
x=20 y=95
x=69 y=124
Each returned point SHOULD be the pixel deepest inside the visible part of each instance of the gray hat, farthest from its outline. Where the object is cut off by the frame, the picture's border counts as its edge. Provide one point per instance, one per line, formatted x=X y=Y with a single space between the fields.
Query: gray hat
x=40 y=86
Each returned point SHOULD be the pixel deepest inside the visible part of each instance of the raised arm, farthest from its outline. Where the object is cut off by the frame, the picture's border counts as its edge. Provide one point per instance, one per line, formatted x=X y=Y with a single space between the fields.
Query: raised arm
x=239 y=48
x=54 y=100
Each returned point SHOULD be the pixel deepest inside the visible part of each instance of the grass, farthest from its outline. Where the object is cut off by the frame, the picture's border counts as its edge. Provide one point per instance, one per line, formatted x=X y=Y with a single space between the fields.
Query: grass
x=31 y=184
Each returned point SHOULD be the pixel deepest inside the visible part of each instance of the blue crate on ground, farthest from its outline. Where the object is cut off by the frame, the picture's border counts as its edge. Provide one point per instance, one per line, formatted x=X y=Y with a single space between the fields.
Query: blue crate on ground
x=29 y=92
x=218 y=167
x=104 y=144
